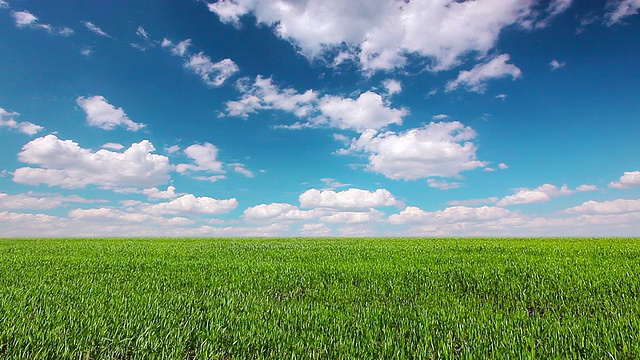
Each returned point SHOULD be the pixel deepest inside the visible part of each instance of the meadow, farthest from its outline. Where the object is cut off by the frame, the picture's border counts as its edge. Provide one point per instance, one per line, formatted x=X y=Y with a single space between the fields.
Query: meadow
x=319 y=298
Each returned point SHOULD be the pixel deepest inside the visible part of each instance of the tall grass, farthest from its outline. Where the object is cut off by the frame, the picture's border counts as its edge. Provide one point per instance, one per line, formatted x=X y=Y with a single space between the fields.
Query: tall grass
x=319 y=298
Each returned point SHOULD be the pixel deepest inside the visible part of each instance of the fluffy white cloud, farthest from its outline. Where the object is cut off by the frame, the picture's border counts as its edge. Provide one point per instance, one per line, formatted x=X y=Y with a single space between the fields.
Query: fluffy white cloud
x=443 y=184
x=392 y=86
x=155 y=193
x=367 y=30
x=212 y=74
x=476 y=78
x=205 y=158
x=542 y=193
x=95 y=29
x=454 y=214
x=629 y=180
x=351 y=199
x=352 y=217
x=190 y=204
x=241 y=169
x=618 y=206
x=24 y=127
x=21 y=201
x=26 y=19
x=555 y=64
x=113 y=146
x=439 y=149
x=263 y=94
x=104 y=115
x=620 y=9
x=315 y=230
x=64 y=163
x=440 y=117
x=368 y=111
x=278 y=212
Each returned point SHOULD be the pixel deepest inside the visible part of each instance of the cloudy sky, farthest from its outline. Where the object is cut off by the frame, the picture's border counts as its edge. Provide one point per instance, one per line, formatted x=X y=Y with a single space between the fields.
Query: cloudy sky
x=319 y=118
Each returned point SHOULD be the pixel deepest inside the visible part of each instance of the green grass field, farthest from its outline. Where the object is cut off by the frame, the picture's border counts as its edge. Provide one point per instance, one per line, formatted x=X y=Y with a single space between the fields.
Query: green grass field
x=319 y=298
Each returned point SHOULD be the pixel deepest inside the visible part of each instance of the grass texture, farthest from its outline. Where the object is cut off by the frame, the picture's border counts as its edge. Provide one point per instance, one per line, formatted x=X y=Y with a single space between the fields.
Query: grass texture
x=319 y=298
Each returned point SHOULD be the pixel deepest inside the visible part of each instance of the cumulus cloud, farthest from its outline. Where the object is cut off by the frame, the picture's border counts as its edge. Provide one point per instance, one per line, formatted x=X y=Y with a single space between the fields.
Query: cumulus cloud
x=25 y=19
x=440 y=117
x=629 y=180
x=204 y=157
x=104 y=115
x=352 y=217
x=24 y=127
x=64 y=163
x=620 y=9
x=212 y=74
x=618 y=206
x=476 y=78
x=190 y=204
x=351 y=199
x=155 y=193
x=443 y=31
x=113 y=146
x=368 y=111
x=95 y=29
x=443 y=184
x=20 y=201
x=555 y=64
x=415 y=215
x=441 y=149
x=542 y=193
x=392 y=86
x=278 y=212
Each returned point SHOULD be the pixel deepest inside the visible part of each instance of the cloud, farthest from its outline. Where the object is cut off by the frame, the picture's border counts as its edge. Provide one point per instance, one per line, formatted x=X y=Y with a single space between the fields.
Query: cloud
x=618 y=206
x=204 y=157
x=555 y=8
x=392 y=86
x=443 y=184
x=64 y=163
x=620 y=9
x=25 y=19
x=352 y=217
x=320 y=230
x=86 y=52
x=368 y=111
x=440 y=117
x=12 y=202
x=113 y=146
x=441 y=149
x=473 y=202
x=629 y=180
x=155 y=193
x=555 y=64
x=212 y=74
x=24 y=127
x=476 y=78
x=368 y=31
x=144 y=37
x=4 y=4
x=278 y=212
x=95 y=29
x=503 y=166
x=501 y=96
x=241 y=169
x=331 y=184
x=351 y=199
x=415 y=215
x=190 y=204
x=104 y=115
x=542 y=193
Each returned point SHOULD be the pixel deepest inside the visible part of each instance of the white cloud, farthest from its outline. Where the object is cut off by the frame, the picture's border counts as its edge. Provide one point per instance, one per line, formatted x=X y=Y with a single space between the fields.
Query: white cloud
x=86 y=52
x=64 y=163
x=440 y=117
x=439 y=149
x=555 y=8
x=351 y=199
x=205 y=158
x=368 y=111
x=542 y=193
x=352 y=217
x=443 y=184
x=331 y=184
x=104 y=115
x=212 y=74
x=278 y=212
x=113 y=146
x=12 y=202
x=618 y=206
x=392 y=86
x=144 y=37
x=95 y=29
x=155 y=193
x=320 y=230
x=241 y=169
x=454 y=214
x=212 y=179
x=503 y=166
x=629 y=180
x=443 y=31
x=172 y=149
x=24 y=127
x=501 y=96
x=620 y=9
x=25 y=19
x=4 y=4
x=473 y=202
x=476 y=78
x=555 y=64
x=190 y=204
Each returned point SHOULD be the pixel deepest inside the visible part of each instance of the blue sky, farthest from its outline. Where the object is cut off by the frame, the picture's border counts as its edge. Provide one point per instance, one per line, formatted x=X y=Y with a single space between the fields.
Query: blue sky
x=320 y=118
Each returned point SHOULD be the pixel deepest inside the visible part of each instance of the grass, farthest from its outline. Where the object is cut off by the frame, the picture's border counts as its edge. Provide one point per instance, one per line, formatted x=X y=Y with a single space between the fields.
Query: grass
x=319 y=298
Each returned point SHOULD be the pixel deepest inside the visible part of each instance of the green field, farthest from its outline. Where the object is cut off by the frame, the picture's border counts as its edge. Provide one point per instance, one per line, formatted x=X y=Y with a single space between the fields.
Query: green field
x=319 y=298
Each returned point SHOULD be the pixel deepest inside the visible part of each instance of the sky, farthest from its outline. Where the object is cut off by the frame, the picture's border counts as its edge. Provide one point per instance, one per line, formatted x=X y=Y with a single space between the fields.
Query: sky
x=319 y=118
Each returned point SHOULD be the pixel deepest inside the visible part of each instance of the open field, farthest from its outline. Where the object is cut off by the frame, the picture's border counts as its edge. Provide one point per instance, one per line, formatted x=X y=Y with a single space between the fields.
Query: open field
x=319 y=298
